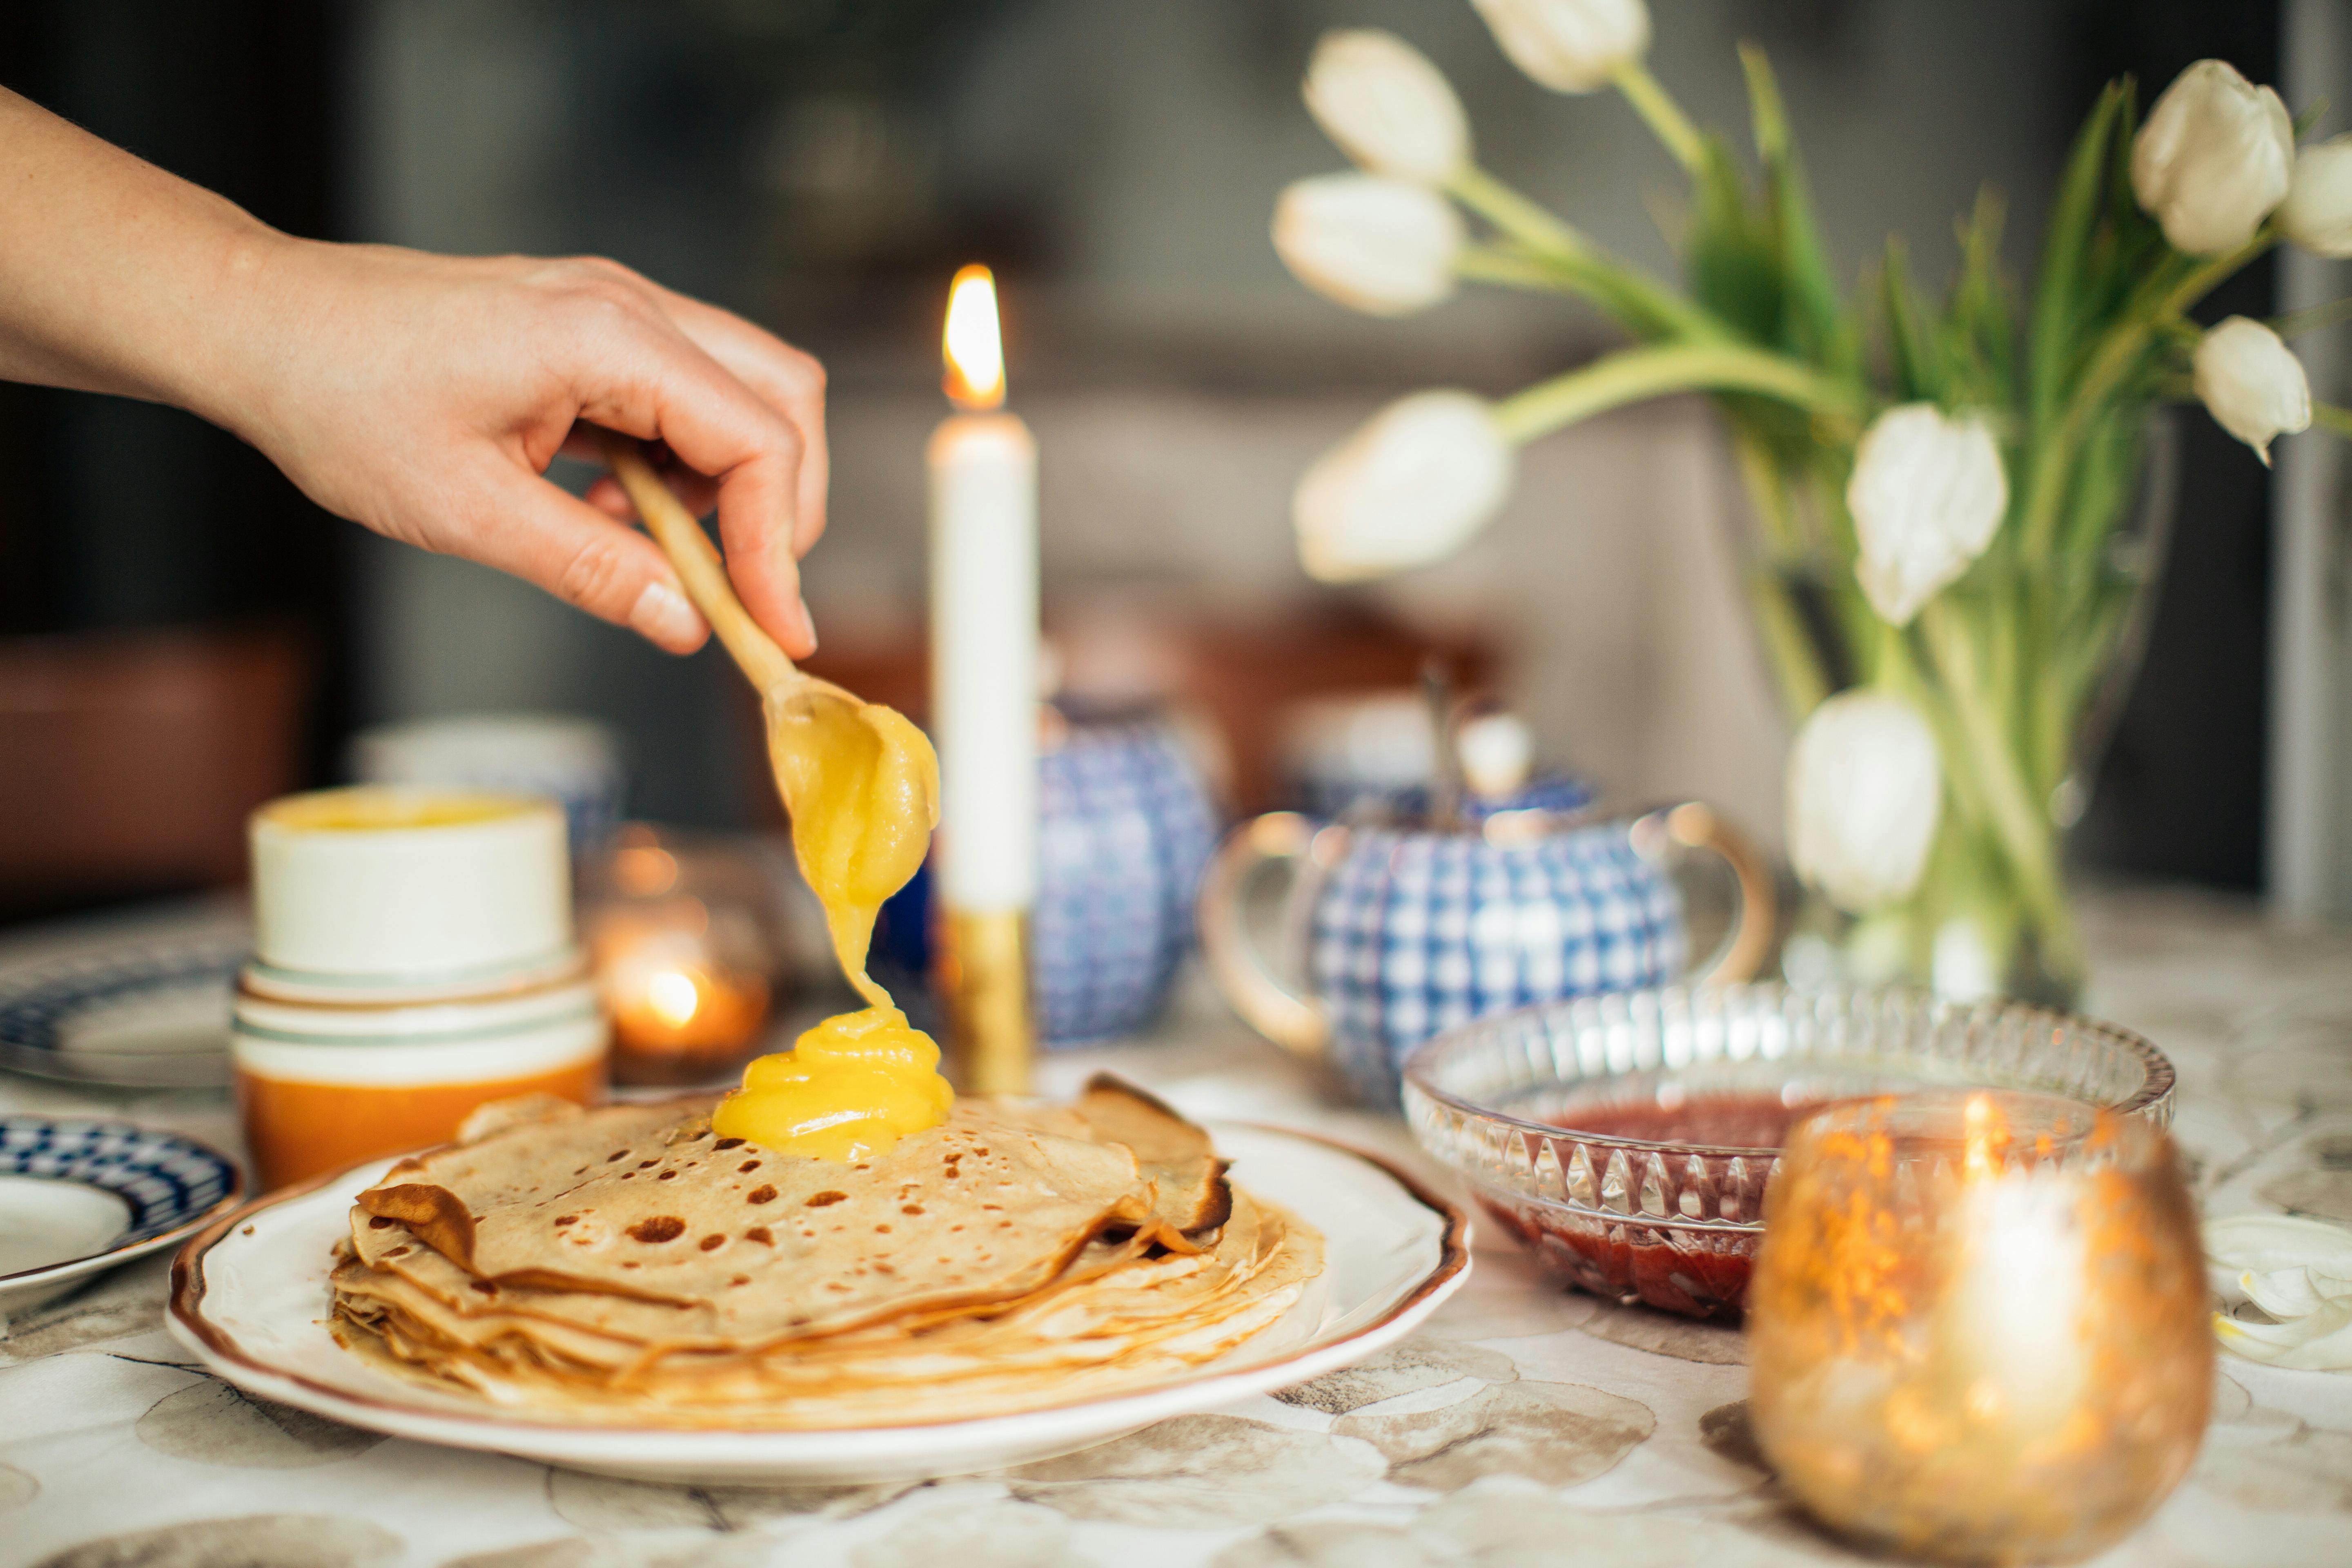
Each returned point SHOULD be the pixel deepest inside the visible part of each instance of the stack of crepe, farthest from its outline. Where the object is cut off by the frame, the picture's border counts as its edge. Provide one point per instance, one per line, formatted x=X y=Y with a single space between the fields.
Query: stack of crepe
x=626 y=1266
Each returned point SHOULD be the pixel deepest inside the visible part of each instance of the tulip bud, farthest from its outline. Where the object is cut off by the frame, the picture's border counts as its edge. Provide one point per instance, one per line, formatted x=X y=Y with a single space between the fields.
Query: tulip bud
x=2318 y=211
x=2215 y=157
x=1409 y=488
x=1926 y=495
x=1568 y=45
x=1387 y=107
x=2251 y=384
x=1865 y=787
x=1380 y=245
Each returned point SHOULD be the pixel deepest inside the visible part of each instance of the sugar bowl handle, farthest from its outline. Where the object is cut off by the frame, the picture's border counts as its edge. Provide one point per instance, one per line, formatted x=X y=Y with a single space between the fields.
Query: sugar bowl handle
x=1695 y=825
x=1294 y=1022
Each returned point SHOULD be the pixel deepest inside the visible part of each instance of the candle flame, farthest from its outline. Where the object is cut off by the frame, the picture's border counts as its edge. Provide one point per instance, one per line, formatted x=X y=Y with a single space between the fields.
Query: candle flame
x=975 y=351
x=674 y=997
x=1985 y=1135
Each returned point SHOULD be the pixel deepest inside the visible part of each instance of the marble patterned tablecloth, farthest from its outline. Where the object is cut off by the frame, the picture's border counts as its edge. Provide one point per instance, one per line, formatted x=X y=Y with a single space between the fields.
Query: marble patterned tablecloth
x=1522 y=1425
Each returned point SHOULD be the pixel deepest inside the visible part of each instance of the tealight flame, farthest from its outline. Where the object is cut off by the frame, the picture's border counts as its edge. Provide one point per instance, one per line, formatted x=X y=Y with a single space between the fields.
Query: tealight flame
x=674 y=997
x=975 y=351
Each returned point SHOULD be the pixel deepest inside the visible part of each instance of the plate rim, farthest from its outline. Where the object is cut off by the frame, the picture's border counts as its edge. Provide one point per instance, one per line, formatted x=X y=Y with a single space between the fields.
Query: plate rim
x=183 y=1316
x=139 y=963
x=220 y=1209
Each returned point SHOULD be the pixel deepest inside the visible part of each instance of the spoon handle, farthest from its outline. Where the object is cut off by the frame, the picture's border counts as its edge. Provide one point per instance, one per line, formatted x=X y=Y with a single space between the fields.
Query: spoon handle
x=699 y=566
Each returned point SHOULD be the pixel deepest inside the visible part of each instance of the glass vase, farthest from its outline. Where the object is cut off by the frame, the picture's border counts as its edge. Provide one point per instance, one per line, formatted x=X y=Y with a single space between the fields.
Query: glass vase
x=2023 y=669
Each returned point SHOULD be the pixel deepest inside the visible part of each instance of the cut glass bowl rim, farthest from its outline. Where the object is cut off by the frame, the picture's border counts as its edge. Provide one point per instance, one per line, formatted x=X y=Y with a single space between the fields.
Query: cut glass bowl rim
x=2152 y=1101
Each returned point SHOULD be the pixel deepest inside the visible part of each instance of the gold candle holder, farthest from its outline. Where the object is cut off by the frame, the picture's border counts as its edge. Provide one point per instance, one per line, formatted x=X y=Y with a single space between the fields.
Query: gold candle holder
x=1977 y=1327
x=984 y=983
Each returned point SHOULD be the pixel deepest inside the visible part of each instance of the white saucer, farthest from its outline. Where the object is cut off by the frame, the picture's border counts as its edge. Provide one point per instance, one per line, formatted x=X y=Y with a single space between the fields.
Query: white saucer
x=249 y=1296
x=78 y=1197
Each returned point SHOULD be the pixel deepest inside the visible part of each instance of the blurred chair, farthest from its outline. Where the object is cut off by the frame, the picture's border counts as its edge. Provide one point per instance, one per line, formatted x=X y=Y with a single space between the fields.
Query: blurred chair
x=129 y=761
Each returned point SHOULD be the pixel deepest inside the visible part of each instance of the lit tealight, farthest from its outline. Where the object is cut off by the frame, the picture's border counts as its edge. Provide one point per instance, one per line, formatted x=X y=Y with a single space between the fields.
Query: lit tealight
x=673 y=997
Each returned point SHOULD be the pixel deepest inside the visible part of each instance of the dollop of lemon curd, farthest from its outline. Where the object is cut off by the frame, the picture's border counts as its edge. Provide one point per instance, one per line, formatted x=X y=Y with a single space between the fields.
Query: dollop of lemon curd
x=862 y=785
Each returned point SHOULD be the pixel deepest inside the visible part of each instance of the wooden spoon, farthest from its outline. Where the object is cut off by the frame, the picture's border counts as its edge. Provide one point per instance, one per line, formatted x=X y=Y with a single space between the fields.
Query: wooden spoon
x=859 y=782
x=700 y=569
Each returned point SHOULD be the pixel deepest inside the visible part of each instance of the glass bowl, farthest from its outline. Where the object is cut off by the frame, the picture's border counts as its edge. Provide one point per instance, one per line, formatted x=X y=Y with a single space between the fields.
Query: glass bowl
x=1541 y=1111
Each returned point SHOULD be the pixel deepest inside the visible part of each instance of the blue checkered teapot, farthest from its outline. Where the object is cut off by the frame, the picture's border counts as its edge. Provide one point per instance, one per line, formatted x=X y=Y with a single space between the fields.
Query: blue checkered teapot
x=1408 y=930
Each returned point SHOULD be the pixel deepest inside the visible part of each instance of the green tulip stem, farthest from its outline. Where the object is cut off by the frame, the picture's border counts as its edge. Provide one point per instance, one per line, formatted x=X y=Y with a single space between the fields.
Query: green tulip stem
x=1655 y=105
x=2022 y=827
x=1631 y=375
x=1512 y=270
x=1514 y=214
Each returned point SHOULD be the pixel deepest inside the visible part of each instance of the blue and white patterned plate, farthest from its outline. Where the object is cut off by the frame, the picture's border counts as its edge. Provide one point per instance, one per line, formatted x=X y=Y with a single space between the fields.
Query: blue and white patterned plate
x=150 y=1014
x=77 y=1196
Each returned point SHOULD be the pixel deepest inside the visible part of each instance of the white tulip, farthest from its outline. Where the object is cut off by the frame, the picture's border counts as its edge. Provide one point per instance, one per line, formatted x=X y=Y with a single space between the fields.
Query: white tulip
x=1570 y=46
x=2251 y=384
x=1408 y=489
x=1865 y=787
x=2318 y=215
x=1928 y=494
x=2216 y=155
x=1382 y=246
x=1387 y=107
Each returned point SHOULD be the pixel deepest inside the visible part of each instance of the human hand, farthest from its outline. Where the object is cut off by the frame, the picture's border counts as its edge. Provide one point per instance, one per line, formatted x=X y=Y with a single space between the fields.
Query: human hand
x=425 y=396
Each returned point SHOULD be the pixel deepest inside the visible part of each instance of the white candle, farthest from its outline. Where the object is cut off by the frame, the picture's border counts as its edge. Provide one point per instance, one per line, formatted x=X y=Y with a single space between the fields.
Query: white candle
x=984 y=473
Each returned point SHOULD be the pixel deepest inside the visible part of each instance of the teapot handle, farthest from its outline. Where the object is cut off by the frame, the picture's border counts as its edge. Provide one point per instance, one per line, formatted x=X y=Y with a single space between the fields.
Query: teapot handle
x=1695 y=825
x=1294 y=1022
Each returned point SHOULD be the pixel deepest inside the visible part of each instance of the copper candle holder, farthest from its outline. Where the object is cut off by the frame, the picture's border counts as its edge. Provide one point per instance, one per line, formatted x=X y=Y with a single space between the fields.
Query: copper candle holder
x=1978 y=1326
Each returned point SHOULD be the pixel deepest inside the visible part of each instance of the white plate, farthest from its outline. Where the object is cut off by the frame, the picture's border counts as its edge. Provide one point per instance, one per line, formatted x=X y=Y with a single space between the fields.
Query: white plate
x=78 y=1197
x=249 y=1297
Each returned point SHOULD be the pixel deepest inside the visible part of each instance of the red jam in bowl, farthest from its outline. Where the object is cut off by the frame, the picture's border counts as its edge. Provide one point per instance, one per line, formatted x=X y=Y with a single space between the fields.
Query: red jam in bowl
x=1699 y=1270
x=1714 y=1121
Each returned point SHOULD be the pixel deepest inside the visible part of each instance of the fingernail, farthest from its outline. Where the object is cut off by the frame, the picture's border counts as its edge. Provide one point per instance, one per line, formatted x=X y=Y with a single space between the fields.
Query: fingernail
x=810 y=622
x=662 y=614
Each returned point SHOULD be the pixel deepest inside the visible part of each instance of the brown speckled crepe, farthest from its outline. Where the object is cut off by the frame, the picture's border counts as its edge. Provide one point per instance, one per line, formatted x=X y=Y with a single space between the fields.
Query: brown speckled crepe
x=622 y=1265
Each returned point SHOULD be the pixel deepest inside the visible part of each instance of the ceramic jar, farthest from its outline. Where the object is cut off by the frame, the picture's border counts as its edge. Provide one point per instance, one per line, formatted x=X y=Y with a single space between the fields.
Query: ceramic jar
x=413 y=960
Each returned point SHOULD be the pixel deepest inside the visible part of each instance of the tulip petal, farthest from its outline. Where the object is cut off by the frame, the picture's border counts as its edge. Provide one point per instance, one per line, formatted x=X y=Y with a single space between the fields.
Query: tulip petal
x=2321 y=1342
x=2264 y=1242
x=1928 y=494
x=1568 y=45
x=2216 y=155
x=1410 y=487
x=1387 y=105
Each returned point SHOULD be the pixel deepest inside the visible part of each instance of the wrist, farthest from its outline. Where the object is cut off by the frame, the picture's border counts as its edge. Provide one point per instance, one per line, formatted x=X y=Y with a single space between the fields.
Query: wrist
x=225 y=360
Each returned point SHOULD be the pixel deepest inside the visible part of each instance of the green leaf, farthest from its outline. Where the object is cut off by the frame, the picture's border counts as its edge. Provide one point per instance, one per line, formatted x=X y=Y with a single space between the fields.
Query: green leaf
x=1983 y=334
x=1815 y=322
x=1733 y=271
x=2057 y=302
x=1912 y=344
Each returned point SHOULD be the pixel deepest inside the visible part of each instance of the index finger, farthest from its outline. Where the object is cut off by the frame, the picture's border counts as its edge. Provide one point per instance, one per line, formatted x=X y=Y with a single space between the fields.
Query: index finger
x=656 y=382
x=791 y=380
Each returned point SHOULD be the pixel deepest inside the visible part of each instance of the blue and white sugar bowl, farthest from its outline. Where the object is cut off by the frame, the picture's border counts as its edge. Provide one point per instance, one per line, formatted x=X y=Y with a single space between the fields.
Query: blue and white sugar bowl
x=1126 y=825
x=1407 y=928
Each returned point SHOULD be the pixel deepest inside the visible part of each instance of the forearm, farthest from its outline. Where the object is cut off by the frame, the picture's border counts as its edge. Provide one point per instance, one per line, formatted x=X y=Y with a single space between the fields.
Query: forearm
x=117 y=277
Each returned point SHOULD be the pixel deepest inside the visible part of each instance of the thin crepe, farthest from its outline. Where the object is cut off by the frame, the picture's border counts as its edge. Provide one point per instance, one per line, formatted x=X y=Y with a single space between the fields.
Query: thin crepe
x=627 y=1265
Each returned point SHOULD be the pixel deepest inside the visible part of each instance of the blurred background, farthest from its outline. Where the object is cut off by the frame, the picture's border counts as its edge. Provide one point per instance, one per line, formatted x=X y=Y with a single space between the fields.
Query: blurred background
x=823 y=166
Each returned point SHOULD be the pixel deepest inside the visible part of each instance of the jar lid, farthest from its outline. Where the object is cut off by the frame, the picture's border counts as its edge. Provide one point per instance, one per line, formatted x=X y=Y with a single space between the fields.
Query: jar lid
x=409 y=884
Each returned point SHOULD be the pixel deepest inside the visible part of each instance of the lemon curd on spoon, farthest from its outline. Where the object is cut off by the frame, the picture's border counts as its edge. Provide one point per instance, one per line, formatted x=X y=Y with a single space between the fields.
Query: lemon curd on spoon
x=862 y=785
